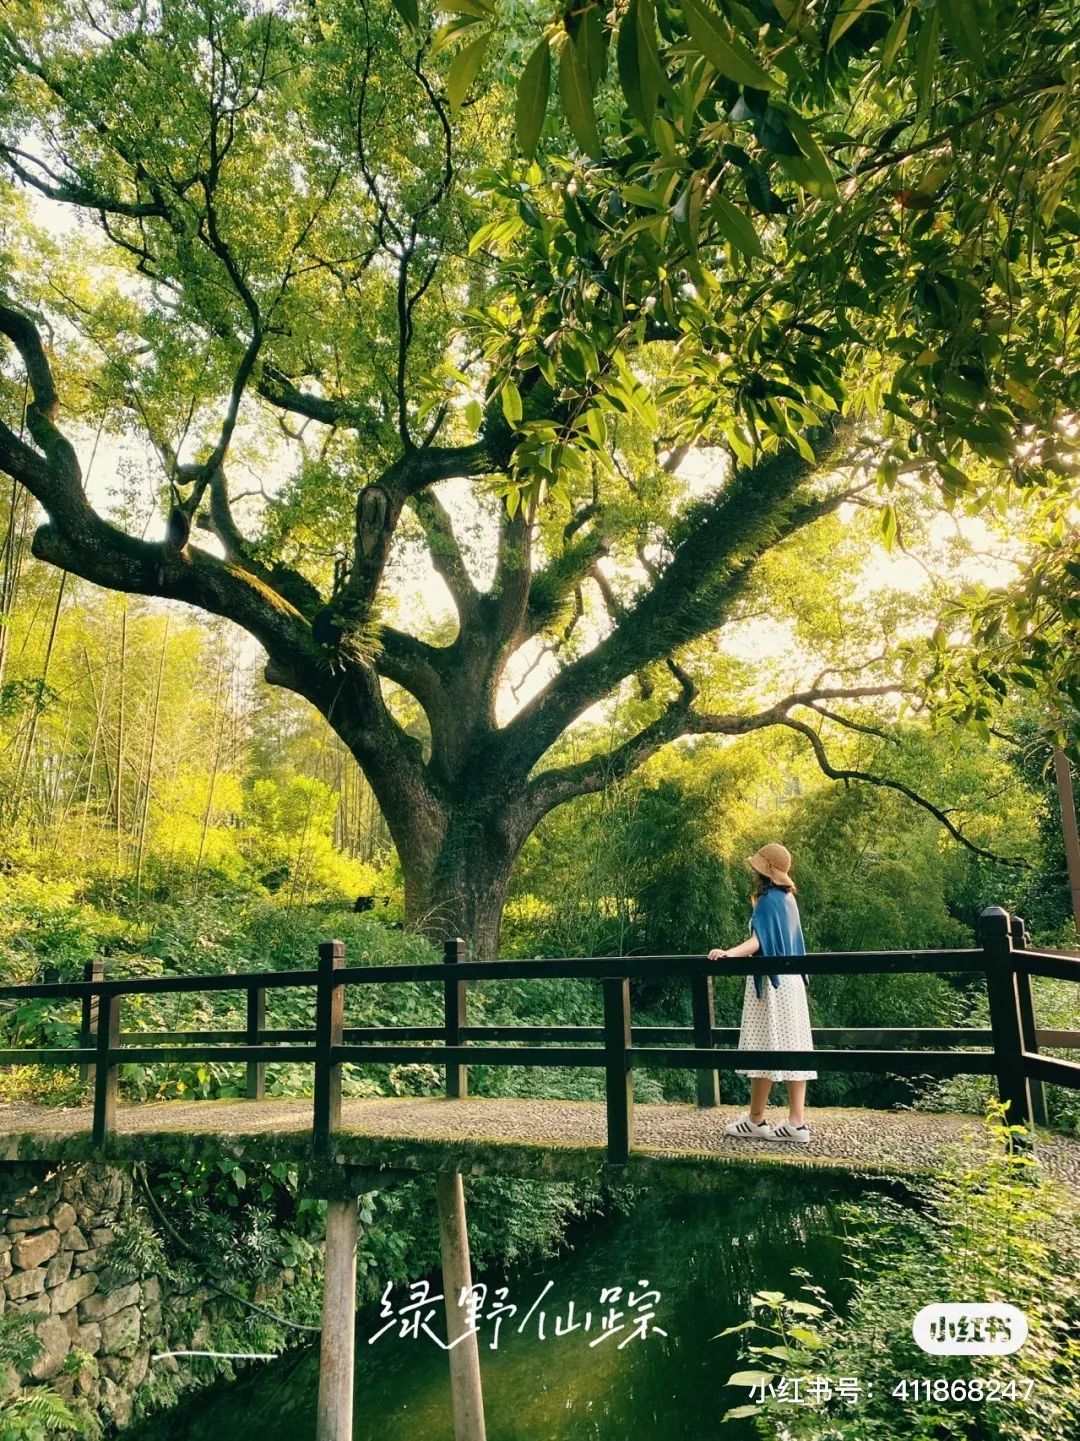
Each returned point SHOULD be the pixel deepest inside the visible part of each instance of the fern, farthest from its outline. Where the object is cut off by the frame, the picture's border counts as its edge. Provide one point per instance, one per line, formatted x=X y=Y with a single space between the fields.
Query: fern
x=19 y=1343
x=42 y=1413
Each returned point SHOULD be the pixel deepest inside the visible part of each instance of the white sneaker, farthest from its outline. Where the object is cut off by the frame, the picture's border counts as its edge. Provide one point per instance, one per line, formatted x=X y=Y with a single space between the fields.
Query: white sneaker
x=747 y=1129
x=787 y=1132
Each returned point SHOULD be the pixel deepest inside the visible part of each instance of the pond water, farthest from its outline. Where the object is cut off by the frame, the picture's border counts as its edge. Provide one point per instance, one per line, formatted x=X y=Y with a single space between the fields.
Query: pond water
x=706 y=1255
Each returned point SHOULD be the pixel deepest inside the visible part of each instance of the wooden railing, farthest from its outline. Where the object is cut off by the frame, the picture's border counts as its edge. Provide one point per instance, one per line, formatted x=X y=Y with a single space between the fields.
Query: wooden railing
x=1008 y=1048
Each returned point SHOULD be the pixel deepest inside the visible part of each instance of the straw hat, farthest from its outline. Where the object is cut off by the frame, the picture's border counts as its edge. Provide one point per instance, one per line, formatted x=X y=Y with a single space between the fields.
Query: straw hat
x=773 y=860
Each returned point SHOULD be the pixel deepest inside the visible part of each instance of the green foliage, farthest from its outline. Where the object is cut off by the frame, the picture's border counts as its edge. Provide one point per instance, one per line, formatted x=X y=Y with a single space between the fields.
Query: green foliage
x=42 y=1414
x=1057 y=1007
x=736 y=135
x=137 y=1250
x=39 y=1412
x=991 y=1228
x=825 y=209
x=656 y=865
x=42 y=917
x=19 y=1344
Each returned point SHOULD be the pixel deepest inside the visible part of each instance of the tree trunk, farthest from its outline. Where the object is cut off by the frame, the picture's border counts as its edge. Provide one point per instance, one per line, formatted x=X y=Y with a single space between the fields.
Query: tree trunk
x=460 y=890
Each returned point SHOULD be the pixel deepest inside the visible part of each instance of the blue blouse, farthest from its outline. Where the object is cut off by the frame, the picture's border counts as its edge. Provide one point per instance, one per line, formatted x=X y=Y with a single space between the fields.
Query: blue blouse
x=775 y=922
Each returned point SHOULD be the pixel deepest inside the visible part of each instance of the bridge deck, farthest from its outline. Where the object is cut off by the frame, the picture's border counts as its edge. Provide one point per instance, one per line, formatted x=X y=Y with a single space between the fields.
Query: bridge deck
x=543 y=1139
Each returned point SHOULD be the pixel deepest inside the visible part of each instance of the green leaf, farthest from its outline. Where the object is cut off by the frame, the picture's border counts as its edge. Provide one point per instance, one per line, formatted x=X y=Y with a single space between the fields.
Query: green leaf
x=772 y=131
x=954 y=480
x=463 y=70
x=511 y=402
x=532 y=98
x=823 y=183
x=805 y=1308
x=803 y=446
x=965 y=27
x=736 y=226
x=577 y=100
x=888 y=526
x=591 y=39
x=729 y=56
x=686 y=212
x=646 y=199
x=737 y=1413
x=750 y=1378
x=926 y=54
x=845 y=19
x=409 y=10
x=654 y=81
x=626 y=59
x=474 y=414
x=894 y=39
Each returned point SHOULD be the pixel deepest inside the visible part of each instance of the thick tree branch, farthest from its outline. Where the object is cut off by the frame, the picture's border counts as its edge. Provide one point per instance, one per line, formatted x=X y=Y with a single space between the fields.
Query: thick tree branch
x=73 y=192
x=281 y=391
x=840 y=773
x=554 y=583
x=554 y=787
x=692 y=595
x=446 y=554
x=505 y=605
x=415 y=666
x=77 y=539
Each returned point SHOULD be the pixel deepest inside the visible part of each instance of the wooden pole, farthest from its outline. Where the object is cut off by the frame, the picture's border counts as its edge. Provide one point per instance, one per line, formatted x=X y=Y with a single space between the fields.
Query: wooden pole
x=338 y=1339
x=996 y=935
x=329 y=1018
x=457 y=1077
x=619 y=1078
x=466 y=1395
x=1028 y=1029
x=256 y=1024
x=105 y=1067
x=92 y=971
x=701 y=1002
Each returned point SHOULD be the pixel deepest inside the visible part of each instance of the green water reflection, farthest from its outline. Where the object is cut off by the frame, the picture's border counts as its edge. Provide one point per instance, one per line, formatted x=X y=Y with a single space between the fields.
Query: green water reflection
x=706 y=1255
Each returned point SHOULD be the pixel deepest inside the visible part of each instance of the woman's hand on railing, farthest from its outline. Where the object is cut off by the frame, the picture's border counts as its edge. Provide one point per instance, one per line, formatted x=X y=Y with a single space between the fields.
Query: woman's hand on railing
x=716 y=954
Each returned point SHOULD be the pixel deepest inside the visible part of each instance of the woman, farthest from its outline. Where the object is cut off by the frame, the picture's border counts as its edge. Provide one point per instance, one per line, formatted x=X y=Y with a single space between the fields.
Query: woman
x=775 y=1015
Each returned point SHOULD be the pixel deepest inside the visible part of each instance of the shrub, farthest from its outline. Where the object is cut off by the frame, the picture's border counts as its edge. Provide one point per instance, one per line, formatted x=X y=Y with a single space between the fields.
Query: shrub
x=991 y=1228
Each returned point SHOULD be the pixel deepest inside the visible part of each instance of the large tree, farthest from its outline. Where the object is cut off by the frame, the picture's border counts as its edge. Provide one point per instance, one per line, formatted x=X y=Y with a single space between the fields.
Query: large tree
x=318 y=262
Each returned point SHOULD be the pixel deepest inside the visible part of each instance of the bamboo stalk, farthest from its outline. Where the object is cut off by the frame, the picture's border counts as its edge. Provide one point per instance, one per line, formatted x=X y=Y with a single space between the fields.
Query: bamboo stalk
x=214 y=767
x=149 y=776
x=120 y=737
x=35 y=713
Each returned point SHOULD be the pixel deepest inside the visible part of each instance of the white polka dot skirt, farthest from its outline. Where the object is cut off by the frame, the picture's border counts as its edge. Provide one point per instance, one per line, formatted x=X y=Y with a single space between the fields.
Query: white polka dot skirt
x=779 y=1021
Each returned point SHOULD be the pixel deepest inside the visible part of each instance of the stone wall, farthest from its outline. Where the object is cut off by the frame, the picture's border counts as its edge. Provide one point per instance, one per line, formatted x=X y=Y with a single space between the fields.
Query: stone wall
x=60 y=1263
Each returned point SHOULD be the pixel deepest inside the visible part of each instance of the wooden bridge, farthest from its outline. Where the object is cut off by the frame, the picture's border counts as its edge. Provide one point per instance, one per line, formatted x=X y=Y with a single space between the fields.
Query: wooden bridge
x=557 y=1139
x=344 y=1141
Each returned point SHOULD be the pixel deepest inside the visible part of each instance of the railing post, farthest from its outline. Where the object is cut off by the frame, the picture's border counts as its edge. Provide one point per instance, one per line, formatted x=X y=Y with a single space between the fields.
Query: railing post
x=701 y=1005
x=106 y=1072
x=256 y=1024
x=996 y=935
x=457 y=1076
x=619 y=1075
x=1028 y=1029
x=92 y=971
x=329 y=1019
